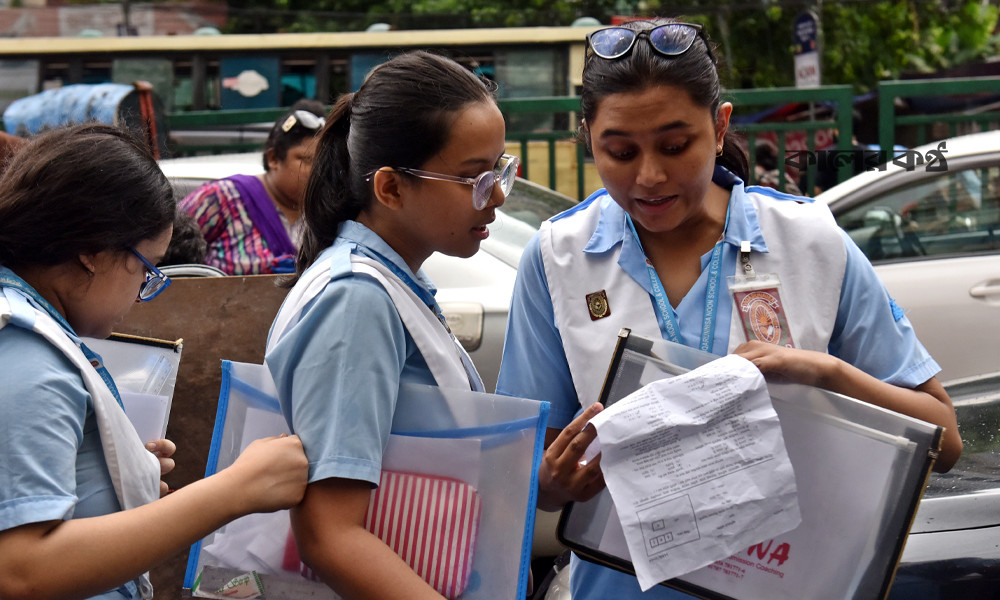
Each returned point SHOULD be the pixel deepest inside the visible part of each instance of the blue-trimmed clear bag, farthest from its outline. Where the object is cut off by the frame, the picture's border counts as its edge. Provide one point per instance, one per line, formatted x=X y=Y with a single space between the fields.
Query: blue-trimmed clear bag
x=484 y=442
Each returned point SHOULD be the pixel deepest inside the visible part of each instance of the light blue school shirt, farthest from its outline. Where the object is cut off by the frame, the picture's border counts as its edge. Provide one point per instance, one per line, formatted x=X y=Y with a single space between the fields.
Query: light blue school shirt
x=53 y=464
x=534 y=365
x=338 y=369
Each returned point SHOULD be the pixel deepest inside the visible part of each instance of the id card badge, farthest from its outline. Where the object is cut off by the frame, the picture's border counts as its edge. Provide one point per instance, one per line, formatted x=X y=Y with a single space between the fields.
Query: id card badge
x=757 y=301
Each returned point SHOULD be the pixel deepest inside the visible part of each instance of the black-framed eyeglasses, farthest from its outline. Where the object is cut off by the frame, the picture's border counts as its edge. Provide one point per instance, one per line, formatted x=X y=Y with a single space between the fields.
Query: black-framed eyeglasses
x=156 y=280
x=671 y=39
x=303 y=118
x=504 y=173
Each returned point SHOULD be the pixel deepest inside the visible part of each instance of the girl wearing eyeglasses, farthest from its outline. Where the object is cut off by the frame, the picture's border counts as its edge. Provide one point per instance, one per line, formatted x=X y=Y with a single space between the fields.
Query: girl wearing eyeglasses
x=411 y=164
x=85 y=213
x=653 y=252
x=251 y=222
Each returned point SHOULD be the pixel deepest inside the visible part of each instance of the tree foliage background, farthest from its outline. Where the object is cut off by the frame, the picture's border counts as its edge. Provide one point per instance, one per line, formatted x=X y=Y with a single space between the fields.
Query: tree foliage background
x=863 y=41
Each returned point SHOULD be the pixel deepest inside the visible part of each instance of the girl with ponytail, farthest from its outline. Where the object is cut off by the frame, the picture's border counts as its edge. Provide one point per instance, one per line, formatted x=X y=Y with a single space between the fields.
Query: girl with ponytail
x=411 y=164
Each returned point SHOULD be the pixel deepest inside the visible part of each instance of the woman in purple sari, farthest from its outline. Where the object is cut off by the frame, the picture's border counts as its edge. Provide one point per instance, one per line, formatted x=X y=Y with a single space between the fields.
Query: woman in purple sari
x=251 y=223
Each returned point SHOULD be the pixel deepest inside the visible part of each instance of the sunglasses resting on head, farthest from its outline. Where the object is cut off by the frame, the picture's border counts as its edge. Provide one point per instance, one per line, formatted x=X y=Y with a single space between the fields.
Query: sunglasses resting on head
x=671 y=39
x=302 y=118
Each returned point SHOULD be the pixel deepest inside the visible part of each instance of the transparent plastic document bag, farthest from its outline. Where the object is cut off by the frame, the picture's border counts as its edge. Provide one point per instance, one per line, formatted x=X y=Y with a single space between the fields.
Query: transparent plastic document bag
x=456 y=499
x=860 y=471
x=145 y=372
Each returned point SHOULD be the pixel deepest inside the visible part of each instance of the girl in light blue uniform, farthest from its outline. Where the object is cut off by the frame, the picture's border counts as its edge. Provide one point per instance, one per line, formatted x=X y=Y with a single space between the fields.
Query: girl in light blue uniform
x=652 y=250
x=85 y=213
x=411 y=164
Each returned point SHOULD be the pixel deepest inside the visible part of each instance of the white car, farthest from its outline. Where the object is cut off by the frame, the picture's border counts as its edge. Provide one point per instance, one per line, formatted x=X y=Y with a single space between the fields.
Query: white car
x=474 y=293
x=933 y=233
x=932 y=230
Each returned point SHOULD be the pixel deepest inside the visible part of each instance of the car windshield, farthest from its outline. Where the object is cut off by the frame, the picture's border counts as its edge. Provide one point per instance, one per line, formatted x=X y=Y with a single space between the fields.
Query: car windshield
x=957 y=212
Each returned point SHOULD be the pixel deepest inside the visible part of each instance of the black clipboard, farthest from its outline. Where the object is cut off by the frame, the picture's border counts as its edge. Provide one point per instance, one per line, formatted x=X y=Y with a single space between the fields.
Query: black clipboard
x=811 y=419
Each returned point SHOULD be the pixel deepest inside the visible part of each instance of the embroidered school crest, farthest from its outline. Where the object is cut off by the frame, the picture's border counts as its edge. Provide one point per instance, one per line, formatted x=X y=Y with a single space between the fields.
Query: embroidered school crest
x=763 y=316
x=597 y=303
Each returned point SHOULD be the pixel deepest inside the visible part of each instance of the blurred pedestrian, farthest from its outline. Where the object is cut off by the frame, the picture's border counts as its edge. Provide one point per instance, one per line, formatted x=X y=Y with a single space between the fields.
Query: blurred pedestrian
x=766 y=169
x=251 y=223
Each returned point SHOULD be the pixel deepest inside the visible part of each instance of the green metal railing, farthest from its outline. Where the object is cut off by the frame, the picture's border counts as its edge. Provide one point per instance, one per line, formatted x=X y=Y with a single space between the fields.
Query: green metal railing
x=828 y=109
x=837 y=98
x=889 y=122
x=566 y=105
x=568 y=108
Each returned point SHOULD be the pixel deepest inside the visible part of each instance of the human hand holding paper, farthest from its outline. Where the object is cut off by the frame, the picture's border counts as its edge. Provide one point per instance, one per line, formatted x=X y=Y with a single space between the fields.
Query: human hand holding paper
x=568 y=472
x=697 y=468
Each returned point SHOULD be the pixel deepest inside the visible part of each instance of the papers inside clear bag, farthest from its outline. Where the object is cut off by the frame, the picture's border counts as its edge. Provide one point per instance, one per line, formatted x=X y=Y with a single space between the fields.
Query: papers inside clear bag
x=486 y=447
x=145 y=372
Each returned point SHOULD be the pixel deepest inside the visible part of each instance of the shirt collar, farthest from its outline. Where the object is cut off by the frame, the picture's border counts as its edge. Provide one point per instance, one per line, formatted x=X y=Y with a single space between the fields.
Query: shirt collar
x=743 y=223
x=612 y=227
x=370 y=244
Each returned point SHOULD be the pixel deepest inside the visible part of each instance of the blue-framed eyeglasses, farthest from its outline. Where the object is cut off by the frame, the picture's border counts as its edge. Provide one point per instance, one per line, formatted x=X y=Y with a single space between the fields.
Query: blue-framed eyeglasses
x=156 y=281
x=504 y=173
x=672 y=39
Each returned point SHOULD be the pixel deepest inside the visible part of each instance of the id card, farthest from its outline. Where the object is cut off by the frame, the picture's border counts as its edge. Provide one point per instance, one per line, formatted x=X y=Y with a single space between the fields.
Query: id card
x=761 y=311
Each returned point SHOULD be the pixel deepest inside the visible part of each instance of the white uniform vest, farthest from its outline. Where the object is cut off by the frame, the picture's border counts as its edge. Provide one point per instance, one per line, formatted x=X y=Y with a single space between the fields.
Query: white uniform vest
x=447 y=360
x=135 y=472
x=805 y=247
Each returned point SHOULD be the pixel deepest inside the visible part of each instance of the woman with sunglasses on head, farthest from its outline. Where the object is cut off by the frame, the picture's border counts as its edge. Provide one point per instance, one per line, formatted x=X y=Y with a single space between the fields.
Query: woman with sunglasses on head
x=251 y=222
x=411 y=164
x=652 y=252
x=85 y=213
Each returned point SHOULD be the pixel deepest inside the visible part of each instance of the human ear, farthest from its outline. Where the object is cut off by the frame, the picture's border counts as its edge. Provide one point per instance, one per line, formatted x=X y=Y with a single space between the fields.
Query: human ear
x=584 y=134
x=388 y=191
x=722 y=122
x=89 y=263
x=272 y=159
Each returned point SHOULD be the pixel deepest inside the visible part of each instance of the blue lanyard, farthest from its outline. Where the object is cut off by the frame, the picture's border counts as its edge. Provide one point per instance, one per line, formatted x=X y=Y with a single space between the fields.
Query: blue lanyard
x=11 y=280
x=669 y=328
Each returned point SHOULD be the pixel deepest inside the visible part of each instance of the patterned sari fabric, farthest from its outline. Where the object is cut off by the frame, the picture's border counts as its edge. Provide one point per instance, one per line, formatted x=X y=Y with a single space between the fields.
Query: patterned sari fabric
x=244 y=229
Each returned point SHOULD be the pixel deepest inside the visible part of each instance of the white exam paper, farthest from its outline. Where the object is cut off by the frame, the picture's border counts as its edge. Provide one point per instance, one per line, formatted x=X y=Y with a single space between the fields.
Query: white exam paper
x=697 y=468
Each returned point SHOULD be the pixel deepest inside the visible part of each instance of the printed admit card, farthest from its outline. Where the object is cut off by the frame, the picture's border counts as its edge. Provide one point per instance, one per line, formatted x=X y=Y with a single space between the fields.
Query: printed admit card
x=697 y=468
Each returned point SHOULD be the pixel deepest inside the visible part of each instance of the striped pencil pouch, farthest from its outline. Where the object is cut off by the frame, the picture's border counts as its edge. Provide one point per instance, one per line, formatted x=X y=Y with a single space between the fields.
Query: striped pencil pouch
x=430 y=522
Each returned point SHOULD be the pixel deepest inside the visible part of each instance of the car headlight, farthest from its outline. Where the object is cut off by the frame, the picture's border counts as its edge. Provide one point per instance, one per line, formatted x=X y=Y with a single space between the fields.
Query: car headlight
x=465 y=319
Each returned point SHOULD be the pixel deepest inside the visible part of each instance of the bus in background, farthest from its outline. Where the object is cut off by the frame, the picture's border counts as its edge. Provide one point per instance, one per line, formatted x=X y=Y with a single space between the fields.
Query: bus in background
x=259 y=74
x=198 y=72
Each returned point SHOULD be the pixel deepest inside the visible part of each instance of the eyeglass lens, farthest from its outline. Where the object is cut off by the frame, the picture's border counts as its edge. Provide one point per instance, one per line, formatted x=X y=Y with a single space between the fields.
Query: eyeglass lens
x=504 y=175
x=612 y=42
x=673 y=39
x=152 y=286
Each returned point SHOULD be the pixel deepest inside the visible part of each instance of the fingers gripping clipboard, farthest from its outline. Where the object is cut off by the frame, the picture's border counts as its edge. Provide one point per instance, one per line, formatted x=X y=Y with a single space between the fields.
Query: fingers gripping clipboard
x=860 y=471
